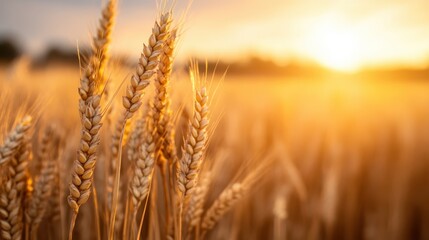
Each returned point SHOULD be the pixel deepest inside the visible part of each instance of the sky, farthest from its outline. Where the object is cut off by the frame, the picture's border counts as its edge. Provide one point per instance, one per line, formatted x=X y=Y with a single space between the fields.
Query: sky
x=340 y=34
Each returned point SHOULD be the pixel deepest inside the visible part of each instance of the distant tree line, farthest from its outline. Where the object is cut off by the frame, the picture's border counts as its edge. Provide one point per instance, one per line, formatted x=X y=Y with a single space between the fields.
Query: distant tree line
x=252 y=66
x=8 y=51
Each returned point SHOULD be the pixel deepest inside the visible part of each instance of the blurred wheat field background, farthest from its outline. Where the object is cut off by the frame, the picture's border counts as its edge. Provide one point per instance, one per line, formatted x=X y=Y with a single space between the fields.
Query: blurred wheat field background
x=208 y=154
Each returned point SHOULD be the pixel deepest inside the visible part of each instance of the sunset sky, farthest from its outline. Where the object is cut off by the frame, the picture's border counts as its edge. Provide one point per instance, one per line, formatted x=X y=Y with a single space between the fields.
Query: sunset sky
x=344 y=35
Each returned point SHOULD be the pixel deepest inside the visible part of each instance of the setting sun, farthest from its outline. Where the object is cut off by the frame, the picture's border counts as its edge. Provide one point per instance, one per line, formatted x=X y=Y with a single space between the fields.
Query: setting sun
x=334 y=46
x=337 y=50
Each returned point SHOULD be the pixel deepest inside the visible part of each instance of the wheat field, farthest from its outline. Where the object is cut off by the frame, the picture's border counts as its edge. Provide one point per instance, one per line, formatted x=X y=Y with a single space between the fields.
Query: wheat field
x=106 y=151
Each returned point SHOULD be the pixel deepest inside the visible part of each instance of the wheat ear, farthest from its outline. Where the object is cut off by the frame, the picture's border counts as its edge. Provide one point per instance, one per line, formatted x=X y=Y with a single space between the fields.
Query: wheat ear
x=196 y=204
x=193 y=150
x=101 y=41
x=83 y=170
x=18 y=167
x=139 y=81
x=169 y=144
x=11 y=224
x=146 y=67
x=160 y=111
x=161 y=101
x=16 y=146
x=43 y=147
x=229 y=197
x=39 y=200
x=189 y=165
x=14 y=140
x=90 y=92
x=143 y=169
x=84 y=165
x=135 y=140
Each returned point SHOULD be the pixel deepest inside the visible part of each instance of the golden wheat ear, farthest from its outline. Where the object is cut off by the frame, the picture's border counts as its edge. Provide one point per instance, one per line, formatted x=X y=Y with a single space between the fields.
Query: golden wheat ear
x=189 y=166
x=162 y=100
x=195 y=144
x=15 y=153
x=14 y=140
x=233 y=194
x=144 y=166
x=39 y=200
x=101 y=42
x=11 y=224
x=196 y=205
x=91 y=89
x=131 y=101
x=227 y=199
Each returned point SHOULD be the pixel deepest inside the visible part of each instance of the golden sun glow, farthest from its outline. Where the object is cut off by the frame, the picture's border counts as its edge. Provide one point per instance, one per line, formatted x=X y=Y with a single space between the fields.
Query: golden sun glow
x=338 y=51
x=336 y=48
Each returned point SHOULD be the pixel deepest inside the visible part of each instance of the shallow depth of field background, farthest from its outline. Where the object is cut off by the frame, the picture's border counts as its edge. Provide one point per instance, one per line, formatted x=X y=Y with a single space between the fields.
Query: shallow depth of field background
x=341 y=87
